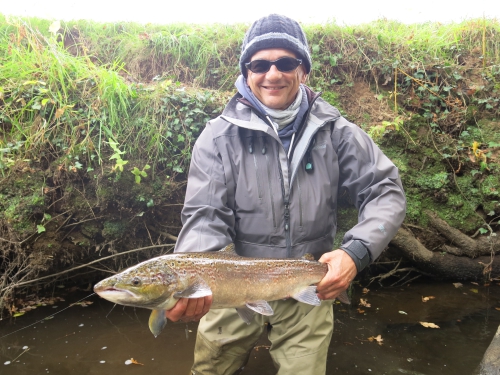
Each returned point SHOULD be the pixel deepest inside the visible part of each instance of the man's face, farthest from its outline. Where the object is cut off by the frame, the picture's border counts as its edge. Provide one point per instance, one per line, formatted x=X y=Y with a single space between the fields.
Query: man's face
x=275 y=89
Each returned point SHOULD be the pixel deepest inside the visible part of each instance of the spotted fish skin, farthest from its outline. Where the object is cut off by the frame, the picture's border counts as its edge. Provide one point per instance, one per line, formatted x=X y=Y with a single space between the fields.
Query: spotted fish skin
x=246 y=284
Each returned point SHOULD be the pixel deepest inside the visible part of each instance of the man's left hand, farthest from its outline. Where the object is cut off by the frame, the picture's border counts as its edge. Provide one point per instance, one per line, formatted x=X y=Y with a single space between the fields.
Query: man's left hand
x=341 y=271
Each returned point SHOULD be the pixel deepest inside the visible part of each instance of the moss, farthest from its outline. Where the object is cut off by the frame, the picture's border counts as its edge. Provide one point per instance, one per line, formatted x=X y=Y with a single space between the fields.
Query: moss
x=489 y=187
x=433 y=182
x=22 y=203
x=90 y=230
x=413 y=208
x=489 y=130
x=104 y=193
x=460 y=214
x=113 y=230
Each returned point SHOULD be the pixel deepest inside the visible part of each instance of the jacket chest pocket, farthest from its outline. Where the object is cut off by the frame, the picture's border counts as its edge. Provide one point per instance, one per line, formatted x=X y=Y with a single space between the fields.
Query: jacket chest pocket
x=257 y=191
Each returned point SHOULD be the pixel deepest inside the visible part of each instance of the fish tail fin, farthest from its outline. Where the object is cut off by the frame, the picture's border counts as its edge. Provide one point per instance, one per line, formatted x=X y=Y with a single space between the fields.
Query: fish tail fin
x=344 y=298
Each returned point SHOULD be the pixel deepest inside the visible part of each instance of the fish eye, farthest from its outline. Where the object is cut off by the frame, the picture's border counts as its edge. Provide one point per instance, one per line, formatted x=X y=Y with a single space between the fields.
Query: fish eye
x=136 y=281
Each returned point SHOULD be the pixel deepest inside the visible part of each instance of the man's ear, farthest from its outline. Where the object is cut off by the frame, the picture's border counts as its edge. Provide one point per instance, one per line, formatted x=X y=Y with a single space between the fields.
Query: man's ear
x=304 y=78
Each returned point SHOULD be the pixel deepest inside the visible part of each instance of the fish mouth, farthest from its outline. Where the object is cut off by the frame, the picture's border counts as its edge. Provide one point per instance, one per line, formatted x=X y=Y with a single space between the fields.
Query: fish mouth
x=116 y=294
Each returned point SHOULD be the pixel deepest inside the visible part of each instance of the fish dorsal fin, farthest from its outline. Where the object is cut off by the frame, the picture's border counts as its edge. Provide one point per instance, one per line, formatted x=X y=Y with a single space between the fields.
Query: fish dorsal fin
x=197 y=289
x=344 y=298
x=229 y=249
x=261 y=307
x=157 y=321
x=308 y=256
x=246 y=314
x=308 y=295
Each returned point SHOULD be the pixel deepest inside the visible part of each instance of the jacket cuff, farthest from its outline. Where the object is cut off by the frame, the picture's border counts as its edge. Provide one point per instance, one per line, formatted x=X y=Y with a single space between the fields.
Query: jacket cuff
x=359 y=254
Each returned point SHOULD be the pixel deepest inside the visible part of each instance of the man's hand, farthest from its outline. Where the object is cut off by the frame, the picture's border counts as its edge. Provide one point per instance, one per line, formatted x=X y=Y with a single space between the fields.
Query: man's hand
x=341 y=271
x=189 y=309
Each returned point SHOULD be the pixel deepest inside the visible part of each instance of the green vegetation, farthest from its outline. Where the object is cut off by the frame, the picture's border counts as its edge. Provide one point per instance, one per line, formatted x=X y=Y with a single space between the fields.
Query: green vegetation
x=97 y=121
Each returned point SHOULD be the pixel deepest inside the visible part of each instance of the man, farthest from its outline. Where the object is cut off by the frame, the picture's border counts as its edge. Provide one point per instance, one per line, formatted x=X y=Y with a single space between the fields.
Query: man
x=266 y=175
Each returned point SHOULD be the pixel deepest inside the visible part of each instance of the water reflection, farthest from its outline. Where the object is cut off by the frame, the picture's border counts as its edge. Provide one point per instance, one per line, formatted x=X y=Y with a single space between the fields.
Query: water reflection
x=99 y=340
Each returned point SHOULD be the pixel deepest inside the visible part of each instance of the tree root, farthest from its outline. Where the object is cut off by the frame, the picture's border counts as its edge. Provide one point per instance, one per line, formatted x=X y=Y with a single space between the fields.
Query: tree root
x=444 y=265
x=461 y=244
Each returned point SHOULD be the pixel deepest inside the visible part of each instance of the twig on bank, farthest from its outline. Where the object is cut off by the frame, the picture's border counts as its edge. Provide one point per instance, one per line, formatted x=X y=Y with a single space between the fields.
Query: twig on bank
x=9 y=241
x=65 y=221
x=84 y=221
x=82 y=266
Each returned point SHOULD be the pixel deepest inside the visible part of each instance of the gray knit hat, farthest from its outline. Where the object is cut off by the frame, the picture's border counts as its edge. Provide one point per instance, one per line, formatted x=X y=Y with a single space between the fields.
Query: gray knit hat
x=275 y=31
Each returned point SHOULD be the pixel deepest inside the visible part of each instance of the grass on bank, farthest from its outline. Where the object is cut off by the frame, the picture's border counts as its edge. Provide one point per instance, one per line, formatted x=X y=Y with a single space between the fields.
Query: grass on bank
x=77 y=87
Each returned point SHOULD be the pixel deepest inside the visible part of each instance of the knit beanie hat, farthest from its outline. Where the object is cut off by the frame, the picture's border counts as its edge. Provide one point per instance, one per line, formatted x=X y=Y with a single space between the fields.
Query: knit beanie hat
x=275 y=31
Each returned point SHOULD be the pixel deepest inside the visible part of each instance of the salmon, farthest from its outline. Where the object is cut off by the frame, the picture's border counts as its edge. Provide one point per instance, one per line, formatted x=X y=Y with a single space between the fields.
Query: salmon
x=246 y=284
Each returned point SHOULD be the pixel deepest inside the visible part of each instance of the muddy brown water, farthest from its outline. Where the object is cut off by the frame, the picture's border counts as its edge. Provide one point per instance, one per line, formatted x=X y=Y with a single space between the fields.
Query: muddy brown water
x=99 y=339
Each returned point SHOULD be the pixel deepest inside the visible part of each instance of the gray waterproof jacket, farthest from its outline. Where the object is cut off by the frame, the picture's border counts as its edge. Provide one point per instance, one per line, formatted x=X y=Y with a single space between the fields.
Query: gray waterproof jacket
x=243 y=188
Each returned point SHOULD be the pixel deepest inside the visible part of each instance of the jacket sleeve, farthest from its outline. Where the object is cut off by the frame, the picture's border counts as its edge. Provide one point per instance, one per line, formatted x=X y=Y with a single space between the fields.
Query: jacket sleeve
x=373 y=185
x=208 y=222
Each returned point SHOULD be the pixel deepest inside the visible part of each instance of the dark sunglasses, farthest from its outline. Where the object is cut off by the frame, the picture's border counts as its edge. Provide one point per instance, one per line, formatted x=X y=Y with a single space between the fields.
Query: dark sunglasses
x=283 y=64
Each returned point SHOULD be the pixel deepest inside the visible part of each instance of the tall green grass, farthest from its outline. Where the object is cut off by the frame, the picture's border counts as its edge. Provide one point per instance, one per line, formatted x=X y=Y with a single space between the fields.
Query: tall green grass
x=65 y=95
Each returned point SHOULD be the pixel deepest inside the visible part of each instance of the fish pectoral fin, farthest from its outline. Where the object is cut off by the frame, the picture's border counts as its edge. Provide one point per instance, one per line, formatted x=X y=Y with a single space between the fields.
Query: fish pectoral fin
x=344 y=298
x=229 y=249
x=196 y=290
x=245 y=313
x=308 y=295
x=308 y=256
x=261 y=307
x=157 y=321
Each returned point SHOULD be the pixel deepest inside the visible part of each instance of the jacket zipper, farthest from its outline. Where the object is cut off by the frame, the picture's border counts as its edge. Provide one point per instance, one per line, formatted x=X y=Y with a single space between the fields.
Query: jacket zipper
x=286 y=201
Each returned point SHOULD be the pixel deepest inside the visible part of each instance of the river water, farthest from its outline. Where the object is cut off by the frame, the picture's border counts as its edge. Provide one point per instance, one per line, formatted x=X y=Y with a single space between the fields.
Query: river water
x=100 y=339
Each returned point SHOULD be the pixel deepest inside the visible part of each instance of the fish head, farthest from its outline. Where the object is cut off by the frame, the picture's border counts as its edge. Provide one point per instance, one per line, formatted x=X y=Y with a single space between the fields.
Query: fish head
x=145 y=285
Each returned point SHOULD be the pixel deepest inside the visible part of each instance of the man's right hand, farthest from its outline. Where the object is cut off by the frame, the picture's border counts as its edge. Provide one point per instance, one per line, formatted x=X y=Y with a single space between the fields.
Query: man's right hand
x=189 y=309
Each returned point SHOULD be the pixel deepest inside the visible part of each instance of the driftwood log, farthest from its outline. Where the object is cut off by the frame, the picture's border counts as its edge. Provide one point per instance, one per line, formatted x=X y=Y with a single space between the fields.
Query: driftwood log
x=460 y=257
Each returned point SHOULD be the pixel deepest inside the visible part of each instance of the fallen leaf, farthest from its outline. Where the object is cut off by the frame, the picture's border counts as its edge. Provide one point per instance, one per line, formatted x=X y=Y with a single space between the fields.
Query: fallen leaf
x=132 y=361
x=458 y=285
x=425 y=299
x=474 y=291
x=365 y=290
x=403 y=312
x=473 y=282
x=364 y=302
x=361 y=311
x=378 y=339
x=497 y=308
x=429 y=325
x=59 y=112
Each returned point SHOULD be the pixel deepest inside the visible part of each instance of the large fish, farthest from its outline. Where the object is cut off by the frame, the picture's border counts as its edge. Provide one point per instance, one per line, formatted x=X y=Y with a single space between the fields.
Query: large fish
x=233 y=281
